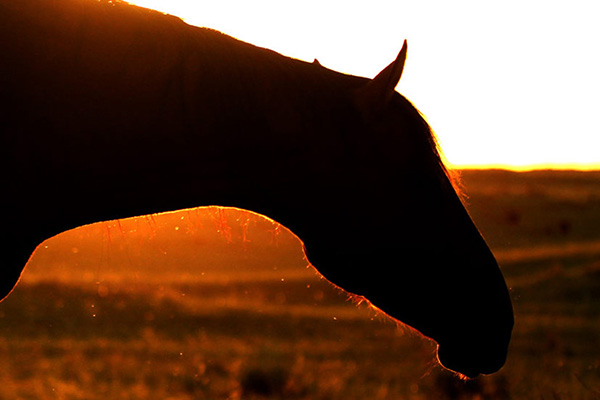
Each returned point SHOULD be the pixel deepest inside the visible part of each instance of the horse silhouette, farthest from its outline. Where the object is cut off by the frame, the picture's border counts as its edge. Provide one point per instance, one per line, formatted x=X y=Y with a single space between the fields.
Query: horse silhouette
x=111 y=111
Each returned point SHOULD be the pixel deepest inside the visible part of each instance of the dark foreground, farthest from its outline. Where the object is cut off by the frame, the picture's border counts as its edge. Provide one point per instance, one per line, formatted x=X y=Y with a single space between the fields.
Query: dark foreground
x=214 y=304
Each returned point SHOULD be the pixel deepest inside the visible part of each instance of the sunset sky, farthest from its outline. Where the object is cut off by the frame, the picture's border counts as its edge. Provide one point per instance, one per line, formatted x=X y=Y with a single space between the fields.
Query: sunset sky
x=512 y=83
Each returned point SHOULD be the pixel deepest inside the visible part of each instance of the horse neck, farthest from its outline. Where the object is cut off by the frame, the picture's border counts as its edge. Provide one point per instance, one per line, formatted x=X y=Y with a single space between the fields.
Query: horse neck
x=202 y=119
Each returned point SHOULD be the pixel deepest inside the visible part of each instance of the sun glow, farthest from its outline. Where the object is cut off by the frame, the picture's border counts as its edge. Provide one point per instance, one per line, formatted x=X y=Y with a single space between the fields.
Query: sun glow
x=512 y=85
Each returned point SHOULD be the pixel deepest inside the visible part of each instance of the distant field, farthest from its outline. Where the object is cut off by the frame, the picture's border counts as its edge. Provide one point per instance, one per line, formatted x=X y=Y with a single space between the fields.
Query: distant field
x=217 y=304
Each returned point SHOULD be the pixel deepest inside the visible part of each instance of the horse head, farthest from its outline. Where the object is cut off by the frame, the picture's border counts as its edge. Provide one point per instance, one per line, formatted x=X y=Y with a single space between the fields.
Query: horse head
x=404 y=240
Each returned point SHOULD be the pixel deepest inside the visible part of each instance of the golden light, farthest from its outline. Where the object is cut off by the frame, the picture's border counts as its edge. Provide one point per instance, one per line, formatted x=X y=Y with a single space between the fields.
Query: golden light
x=511 y=86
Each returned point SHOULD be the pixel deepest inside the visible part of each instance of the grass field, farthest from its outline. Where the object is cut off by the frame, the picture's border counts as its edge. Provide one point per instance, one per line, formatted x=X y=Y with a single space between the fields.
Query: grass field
x=221 y=304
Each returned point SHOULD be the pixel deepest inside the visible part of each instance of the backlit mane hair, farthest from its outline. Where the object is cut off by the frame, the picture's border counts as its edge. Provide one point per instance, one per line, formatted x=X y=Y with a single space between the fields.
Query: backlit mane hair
x=430 y=141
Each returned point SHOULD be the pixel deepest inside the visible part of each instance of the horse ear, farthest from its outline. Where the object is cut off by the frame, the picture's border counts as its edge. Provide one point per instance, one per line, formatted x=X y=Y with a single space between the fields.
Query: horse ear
x=376 y=94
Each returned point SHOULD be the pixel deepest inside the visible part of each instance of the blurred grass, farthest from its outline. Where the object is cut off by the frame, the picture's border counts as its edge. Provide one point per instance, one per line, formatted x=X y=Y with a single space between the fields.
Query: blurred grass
x=544 y=227
x=217 y=304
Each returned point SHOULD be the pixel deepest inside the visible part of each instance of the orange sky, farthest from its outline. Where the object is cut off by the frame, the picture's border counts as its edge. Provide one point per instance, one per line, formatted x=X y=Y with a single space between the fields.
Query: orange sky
x=512 y=84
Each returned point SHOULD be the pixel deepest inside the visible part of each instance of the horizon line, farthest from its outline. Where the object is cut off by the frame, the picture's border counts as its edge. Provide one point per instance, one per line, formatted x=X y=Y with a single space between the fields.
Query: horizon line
x=571 y=166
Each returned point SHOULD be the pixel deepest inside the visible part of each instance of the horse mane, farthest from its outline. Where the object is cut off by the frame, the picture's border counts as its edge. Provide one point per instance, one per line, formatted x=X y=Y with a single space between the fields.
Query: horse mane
x=431 y=148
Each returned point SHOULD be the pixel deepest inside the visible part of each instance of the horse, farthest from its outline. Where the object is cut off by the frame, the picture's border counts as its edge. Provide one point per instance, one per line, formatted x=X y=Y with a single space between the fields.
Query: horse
x=112 y=111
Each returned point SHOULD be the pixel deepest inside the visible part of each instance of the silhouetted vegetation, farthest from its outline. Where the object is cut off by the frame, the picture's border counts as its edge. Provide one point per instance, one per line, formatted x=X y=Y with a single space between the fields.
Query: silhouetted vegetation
x=190 y=313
